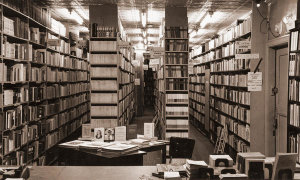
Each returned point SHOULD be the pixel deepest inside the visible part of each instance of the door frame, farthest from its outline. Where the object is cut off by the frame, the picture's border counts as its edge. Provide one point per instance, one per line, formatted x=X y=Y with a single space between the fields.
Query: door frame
x=271 y=47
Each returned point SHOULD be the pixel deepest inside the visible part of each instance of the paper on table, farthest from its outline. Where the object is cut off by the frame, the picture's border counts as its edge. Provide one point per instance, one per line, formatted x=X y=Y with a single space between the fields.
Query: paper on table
x=197 y=163
x=171 y=175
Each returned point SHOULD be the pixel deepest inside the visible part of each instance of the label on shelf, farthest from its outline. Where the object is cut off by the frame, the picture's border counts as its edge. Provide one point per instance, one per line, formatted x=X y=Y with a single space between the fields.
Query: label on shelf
x=254 y=81
x=156 y=52
x=242 y=45
x=145 y=67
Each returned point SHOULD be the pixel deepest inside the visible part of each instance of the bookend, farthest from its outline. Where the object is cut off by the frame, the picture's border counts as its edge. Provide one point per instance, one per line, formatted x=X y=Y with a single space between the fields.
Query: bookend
x=206 y=173
x=285 y=174
x=221 y=162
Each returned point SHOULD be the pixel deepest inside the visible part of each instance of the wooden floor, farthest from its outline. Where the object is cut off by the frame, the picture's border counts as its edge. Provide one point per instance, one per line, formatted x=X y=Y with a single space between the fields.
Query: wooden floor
x=203 y=147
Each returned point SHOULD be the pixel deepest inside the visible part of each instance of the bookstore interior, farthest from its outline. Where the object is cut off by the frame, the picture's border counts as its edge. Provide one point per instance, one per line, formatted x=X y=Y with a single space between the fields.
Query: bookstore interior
x=149 y=89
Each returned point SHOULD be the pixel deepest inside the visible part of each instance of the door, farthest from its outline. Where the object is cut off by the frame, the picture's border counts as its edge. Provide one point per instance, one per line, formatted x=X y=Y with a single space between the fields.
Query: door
x=281 y=99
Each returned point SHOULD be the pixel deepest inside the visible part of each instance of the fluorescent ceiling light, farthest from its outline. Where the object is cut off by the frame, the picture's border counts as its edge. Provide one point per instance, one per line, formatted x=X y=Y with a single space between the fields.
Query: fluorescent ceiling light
x=144 y=18
x=82 y=13
x=215 y=17
x=155 y=16
x=67 y=15
x=83 y=29
x=153 y=31
x=145 y=41
x=133 y=31
x=144 y=33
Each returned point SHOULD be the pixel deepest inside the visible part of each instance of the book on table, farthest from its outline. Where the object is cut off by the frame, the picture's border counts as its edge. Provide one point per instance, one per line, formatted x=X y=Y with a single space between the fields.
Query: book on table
x=118 y=149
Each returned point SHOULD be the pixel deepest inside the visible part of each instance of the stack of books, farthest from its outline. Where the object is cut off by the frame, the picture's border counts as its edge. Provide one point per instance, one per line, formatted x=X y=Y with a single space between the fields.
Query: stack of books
x=192 y=168
x=117 y=149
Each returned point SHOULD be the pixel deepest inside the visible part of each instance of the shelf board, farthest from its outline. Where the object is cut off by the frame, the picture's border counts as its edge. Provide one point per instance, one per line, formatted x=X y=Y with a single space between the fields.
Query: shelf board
x=177 y=77
x=177 y=129
x=177 y=103
x=105 y=52
x=231 y=102
x=103 y=38
x=15 y=38
x=176 y=51
x=176 y=90
x=179 y=116
x=176 y=64
x=36 y=45
x=231 y=117
x=174 y=38
x=15 y=60
x=232 y=71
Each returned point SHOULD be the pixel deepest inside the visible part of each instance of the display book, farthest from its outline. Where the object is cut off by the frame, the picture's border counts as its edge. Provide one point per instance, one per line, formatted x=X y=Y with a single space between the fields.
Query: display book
x=229 y=97
x=44 y=90
x=112 y=77
x=293 y=129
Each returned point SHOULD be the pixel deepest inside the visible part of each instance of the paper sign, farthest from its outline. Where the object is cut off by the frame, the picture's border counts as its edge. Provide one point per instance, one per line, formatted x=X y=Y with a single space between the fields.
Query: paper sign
x=242 y=45
x=149 y=130
x=145 y=67
x=157 y=52
x=154 y=61
x=255 y=81
x=246 y=56
x=137 y=82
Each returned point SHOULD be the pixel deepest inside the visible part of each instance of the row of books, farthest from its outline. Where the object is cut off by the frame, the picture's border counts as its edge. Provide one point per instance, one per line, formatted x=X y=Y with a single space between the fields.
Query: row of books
x=242 y=97
x=13 y=140
x=294 y=115
x=13 y=96
x=294 y=90
x=197 y=97
x=59 y=60
x=96 y=59
x=103 y=46
x=176 y=32
x=198 y=116
x=197 y=79
x=199 y=69
x=14 y=50
x=176 y=98
x=14 y=117
x=72 y=101
x=294 y=141
x=104 y=85
x=127 y=66
x=237 y=144
x=234 y=32
x=14 y=73
x=197 y=88
x=14 y=26
x=294 y=69
x=230 y=65
x=295 y=41
x=177 y=45
x=176 y=58
x=125 y=90
x=176 y=84
x=235 y=111
x=176 y=134
x=176 y=71
x=103 y=31
x=53 y=75
x=37 y=36
x=240 y=130
x=237 y=80
x=177 y=110
x=198 y=107
x=177 y=123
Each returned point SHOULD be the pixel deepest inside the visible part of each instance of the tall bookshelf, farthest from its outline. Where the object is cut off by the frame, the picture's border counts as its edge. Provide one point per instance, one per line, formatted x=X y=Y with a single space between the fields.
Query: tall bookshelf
x=44 y=89
x=293 y=128
x=175 y=73
x=112 y=73
x=229 y=98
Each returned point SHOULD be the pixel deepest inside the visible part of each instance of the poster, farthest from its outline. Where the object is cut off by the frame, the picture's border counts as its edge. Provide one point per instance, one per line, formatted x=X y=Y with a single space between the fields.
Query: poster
x=254 y=81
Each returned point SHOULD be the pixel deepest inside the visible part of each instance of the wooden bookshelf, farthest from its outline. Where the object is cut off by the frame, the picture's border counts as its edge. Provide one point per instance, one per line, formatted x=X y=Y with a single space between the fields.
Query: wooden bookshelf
x=47 y=100
x=293 y=120
x=112 y=73
x=219 y=83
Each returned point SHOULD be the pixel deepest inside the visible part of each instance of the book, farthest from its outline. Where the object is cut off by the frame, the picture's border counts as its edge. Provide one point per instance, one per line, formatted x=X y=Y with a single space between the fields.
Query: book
x=120 y=133
x=192 y=164
x=221 y=158
x=109 y=134
x=86 y=131
x=72 y=144
x=99 y=134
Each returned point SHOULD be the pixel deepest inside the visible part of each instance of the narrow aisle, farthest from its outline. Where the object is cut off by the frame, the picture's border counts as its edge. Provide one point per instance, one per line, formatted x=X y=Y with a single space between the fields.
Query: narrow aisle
x=146 y=118
x=203 y=147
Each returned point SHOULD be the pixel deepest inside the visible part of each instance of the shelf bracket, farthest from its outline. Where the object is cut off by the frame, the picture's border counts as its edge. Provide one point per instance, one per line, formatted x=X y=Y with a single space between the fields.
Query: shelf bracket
x=257 y=66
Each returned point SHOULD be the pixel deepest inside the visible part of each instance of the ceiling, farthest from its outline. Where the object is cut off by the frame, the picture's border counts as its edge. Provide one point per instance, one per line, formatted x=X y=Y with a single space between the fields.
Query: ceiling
x=222 y=13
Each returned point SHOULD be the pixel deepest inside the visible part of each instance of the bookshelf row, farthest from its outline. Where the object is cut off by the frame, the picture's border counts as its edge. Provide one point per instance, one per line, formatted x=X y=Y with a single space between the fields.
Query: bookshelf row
x=44 y=92
x=222 y=98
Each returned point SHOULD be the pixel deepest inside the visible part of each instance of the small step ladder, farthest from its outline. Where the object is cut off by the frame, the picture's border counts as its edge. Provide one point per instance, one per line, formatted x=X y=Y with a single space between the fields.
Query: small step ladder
x=221 y=140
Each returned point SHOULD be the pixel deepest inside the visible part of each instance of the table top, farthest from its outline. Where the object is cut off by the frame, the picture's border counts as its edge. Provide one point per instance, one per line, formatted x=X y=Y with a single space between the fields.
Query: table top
x=91 y=172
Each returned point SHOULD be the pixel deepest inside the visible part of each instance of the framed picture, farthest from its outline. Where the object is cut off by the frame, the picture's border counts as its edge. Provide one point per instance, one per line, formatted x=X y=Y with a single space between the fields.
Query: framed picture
x=87 y=131
x=109 y=134
x=99 y=134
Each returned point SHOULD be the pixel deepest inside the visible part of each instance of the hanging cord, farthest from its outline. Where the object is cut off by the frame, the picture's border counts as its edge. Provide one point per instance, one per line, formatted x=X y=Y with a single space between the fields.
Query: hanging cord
x=269 y=29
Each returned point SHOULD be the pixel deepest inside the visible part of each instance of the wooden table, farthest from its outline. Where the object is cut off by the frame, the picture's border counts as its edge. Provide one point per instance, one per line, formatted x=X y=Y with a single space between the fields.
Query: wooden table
x=82 y=157
x=90 y=172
